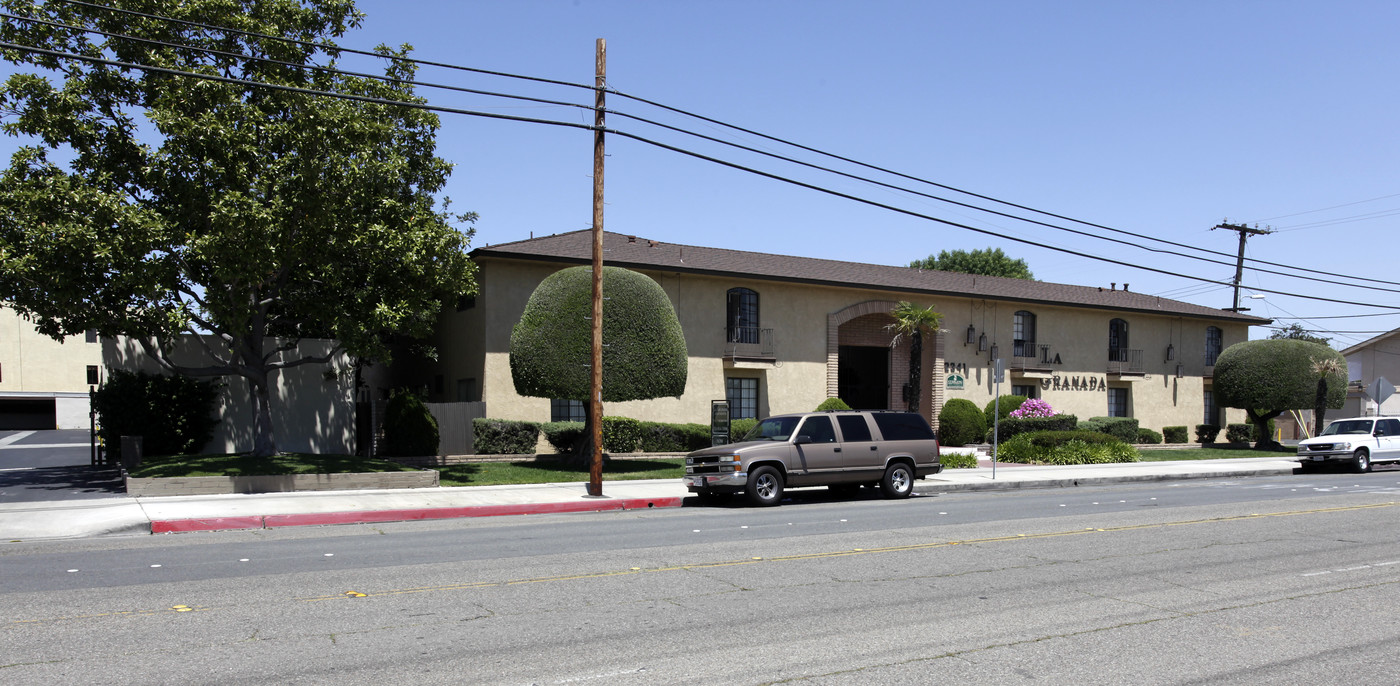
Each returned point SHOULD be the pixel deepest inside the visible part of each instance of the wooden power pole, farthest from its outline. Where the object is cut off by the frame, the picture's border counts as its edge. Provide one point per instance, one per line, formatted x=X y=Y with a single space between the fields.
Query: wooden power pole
x=595 y=392
x=1245 y=232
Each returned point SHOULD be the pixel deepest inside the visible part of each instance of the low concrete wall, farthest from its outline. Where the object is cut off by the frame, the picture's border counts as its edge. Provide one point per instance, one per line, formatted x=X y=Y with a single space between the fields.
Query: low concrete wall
x=215 y=485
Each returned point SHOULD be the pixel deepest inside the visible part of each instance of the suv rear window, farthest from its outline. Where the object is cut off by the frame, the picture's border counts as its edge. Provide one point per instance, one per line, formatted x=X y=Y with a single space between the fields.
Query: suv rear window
x=902 y=426
x=853 y=428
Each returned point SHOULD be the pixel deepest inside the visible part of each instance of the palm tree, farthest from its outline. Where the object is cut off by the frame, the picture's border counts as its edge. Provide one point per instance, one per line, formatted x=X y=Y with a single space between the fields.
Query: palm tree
x=1324 y=368
x=912 y=320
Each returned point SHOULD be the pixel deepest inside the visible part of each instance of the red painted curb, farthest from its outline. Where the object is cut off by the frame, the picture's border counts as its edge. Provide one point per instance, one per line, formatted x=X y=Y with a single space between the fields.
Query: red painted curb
x=322 y=518
x=209 y=524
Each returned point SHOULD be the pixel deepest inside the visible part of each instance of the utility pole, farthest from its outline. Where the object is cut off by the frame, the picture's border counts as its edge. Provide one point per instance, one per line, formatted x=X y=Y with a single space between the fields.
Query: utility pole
x=1245 y=232
x=595 y=391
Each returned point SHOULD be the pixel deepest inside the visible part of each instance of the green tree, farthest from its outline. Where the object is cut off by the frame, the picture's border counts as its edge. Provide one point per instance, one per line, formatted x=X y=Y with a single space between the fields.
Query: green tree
x=644 y=352
x=1295 y=331
x=912 y=321
x=989 y=262
x=1327 y=371
x=151 y=205
x=1266 y=378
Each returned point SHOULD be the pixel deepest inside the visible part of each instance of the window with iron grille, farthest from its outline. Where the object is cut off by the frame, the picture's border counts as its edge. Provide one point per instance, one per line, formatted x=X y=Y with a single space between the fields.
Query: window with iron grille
x=567 y=411
x=1118 y=402
x=1214 y=339
x=1023 y=335
x=1212 y=413
x=742 y=394
x=741 y=316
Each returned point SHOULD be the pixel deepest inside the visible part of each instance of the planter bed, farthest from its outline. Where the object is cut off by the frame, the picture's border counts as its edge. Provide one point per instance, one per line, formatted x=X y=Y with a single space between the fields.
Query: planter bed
x=214 y=485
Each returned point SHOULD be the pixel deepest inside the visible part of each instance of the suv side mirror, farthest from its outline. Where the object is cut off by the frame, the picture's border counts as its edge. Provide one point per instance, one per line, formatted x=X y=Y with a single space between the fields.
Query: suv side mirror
x=802 y=439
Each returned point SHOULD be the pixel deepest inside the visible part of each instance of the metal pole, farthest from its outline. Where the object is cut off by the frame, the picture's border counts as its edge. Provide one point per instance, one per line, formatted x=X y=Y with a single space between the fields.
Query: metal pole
x=595 y=408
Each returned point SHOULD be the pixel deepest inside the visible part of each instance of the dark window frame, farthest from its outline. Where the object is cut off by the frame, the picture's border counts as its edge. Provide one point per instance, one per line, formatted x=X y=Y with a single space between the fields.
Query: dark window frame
x=741 y=315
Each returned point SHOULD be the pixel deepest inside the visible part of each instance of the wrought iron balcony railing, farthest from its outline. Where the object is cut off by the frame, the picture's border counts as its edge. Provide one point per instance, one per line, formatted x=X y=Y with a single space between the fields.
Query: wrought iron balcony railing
x=749 y=342
x=1124 y=361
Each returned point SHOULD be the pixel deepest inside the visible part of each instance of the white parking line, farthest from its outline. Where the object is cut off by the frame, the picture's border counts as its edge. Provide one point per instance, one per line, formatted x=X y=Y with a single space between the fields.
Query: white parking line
x=16 y=437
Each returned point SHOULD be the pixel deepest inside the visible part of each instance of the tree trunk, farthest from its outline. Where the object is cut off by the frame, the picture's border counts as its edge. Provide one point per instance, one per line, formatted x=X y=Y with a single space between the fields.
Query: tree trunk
x=1262 y=439
x=1321 y=408
x=264 y=442
x=582 y=455
x=916 y=363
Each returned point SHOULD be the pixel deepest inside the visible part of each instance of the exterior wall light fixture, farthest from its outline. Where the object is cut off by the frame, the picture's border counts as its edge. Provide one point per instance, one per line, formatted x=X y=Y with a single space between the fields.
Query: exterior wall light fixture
x=971 y=335
x=1171 y=352
x=982 y=343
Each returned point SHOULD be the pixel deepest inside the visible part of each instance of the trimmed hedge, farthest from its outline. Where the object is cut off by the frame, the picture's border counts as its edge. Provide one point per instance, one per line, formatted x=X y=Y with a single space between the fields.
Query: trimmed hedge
x=651 y=437
x=621 y=434
x=1007 y=405
x=504 y=437
x=1065 y=448
x=1174 y=434
x=1012 y=426
x=1148 y=436
x=1124 y=429
x=410 y=430
x=960 y=423
x=562 y=436
x=1239 y=433
x=833 y=404
x=1206 y=433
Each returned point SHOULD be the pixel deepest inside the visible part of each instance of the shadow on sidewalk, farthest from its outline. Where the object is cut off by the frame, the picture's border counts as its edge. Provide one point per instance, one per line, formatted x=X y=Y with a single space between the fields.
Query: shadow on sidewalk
x=76 y=481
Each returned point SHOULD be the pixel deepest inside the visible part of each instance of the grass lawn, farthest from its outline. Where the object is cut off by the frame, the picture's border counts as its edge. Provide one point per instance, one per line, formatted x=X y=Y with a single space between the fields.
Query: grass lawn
x=539 y=471
x=1208 y=454
x=535 y=471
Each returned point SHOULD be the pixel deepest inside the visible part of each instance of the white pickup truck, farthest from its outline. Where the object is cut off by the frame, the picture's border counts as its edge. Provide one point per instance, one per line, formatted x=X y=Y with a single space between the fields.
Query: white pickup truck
x=1360 y=441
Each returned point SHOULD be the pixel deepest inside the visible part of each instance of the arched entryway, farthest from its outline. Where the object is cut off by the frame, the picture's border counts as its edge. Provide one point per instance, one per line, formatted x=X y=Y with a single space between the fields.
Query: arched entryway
x=861 y=363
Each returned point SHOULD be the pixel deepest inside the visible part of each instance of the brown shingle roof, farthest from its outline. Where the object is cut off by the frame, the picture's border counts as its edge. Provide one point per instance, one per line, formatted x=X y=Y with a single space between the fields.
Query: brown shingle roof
x=635 y=252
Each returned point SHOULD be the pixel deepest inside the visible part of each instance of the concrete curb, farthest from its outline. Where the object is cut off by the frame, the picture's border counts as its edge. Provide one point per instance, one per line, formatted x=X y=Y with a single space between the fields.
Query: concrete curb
x=404 y=515
x=1008 y=485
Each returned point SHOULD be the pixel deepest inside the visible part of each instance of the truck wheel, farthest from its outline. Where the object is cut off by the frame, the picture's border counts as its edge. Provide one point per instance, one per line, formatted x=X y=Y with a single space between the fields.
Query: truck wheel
x=1361 y=460
x=765 y=487
x=898 y=481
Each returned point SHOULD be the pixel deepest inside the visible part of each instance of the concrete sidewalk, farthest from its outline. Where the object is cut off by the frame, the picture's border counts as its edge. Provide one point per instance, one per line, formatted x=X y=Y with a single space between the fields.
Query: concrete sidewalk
x=147 y=515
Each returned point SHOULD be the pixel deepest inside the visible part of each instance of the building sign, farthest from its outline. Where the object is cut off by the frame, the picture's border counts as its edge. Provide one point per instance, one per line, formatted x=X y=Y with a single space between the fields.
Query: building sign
x=1074 y=383
x=957 y=376
x=719 y=422
x=955 y=382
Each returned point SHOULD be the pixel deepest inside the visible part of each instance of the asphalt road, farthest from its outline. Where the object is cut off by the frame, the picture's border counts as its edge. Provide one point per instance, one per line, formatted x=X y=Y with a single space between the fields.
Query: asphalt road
x=52 y=465
x=1262 y=580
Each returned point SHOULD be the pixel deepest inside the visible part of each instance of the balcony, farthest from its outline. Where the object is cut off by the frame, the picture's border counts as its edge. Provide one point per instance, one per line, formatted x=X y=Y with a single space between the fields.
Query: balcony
x=1124 y=362
x=749 y=343
x=1030 y=359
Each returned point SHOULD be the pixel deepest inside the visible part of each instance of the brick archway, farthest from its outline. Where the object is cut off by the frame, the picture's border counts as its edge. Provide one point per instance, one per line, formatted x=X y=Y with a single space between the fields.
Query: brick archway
x=931 y=390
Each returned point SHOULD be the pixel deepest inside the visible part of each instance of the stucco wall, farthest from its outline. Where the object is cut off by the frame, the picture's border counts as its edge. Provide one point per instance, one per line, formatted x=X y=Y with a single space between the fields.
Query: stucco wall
x=30 y=362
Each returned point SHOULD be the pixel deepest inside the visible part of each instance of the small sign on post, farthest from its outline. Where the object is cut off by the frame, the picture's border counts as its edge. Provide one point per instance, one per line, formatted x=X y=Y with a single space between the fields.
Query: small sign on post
x=1380 y=390
x=719 y=422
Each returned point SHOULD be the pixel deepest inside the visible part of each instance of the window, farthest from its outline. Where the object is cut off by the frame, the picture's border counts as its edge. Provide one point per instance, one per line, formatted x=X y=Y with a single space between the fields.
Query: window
x=94 y=375
x=741 y=316
x=1027 y=391
x=1212 y=415
x=1118 y=341
x=742 y=395
x=1213 y=344
x=466 y=391
x=1118 y=402
x=902 y=426
x=818 y=429
x=853 y=428
x=1023 y=335
x=92 y=335
x=567 y=411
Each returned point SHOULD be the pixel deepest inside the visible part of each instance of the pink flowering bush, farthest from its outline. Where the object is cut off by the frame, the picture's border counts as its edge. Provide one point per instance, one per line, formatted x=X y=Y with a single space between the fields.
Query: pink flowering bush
x=1034 y=407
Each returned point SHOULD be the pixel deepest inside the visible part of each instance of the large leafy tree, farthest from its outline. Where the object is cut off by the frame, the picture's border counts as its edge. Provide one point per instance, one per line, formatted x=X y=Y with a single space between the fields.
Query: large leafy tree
x=1295 y=331
x=644 y=353
x=150 y=204
x=1266 y=378
x=989 y=262
x=912 y=321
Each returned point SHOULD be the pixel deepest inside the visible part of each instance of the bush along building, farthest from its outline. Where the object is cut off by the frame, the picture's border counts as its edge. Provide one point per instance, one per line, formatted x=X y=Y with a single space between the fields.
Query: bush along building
x=774 y=334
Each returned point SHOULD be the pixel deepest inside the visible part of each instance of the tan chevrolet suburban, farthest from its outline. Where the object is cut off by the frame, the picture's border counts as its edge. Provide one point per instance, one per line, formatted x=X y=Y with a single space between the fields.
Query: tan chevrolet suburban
x=835 y=448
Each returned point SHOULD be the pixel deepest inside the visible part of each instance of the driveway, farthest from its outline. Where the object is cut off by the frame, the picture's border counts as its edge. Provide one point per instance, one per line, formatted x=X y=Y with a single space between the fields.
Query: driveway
x=52 y=465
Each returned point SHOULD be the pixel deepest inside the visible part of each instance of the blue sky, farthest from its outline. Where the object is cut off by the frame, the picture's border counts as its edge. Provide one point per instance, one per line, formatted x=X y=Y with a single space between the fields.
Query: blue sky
x=1161 y=119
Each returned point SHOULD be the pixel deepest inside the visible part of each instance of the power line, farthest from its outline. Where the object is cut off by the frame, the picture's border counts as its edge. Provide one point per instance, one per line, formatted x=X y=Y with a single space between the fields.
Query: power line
x=642 y=139
x=1331 y=277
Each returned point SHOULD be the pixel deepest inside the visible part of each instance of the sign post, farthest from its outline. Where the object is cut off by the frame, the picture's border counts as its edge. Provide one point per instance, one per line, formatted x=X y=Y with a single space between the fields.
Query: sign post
x=1000 y=374
x=1380 y=390
x=719 y=422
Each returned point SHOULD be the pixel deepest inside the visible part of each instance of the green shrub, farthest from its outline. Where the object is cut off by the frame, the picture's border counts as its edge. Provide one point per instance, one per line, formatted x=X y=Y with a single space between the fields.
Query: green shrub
x=658 y=437
x=562 y=436
x=960 y=423
x=1124 y=429
x=1148 y=436
x=1206 y=433
x=621 y=434
x=1011 y=426
x=1065 y=448
x=739 y=427
x=174 y=415
x=958 y=460
x=1007 y=404
x=409 y=428
x=505 y=437
x=1174 y=434
x=833 y=404
x=1239 y=433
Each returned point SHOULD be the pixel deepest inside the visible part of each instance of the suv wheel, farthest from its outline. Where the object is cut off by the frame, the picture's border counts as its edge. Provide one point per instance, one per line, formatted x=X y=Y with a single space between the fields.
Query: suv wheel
x=898 y=481
x=765 y=487
x=1361 y=461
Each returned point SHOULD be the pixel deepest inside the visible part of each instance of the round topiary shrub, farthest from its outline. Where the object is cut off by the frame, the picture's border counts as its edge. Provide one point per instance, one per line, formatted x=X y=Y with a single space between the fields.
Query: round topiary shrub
x=1007 y=405
x=960 y=423
x=1148 y=436
x=409 y=429
x=833 y=404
